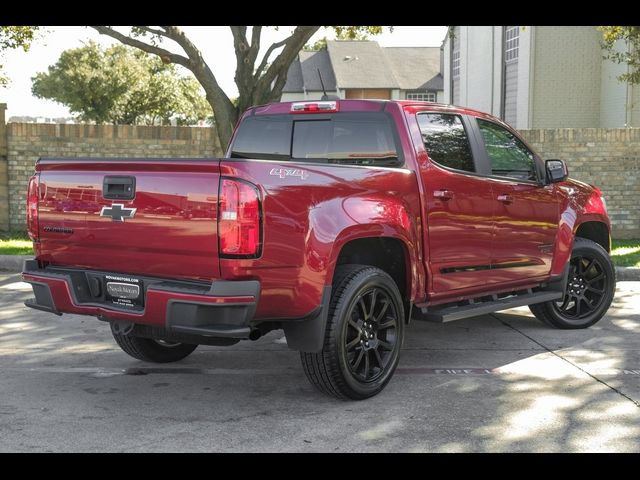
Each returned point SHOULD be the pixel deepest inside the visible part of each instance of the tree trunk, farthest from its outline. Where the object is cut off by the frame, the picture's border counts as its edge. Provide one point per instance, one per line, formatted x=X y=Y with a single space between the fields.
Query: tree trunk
x=224 y=112
x=225 y=119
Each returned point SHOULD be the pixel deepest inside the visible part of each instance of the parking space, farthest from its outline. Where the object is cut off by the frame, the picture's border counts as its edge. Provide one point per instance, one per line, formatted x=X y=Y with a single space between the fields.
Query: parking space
x=500 y=382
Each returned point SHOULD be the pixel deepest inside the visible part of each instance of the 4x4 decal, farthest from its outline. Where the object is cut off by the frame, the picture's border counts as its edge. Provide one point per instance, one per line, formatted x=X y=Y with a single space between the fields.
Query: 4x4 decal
x=289 y=172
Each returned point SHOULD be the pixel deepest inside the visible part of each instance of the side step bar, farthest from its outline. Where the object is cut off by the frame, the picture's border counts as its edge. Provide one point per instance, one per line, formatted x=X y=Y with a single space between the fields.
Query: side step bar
x=472 y=308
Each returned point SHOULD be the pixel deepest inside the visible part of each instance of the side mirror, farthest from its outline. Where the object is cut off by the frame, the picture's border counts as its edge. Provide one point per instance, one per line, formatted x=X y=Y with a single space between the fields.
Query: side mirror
x=556 y=171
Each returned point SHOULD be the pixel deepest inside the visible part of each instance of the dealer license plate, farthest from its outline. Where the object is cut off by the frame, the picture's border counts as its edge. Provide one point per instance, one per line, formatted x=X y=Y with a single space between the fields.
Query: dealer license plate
x=123 y=291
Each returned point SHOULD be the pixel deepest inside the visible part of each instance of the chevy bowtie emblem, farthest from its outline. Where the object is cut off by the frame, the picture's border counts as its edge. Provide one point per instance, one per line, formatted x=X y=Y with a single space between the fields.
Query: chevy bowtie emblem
x=118 y=212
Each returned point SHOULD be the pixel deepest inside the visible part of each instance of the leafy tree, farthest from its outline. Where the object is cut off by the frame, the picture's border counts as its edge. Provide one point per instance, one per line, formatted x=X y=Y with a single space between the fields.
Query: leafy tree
x=630 y=55
x=121 y=85
x=259 y=81
x=12 y=37
x=316 y=46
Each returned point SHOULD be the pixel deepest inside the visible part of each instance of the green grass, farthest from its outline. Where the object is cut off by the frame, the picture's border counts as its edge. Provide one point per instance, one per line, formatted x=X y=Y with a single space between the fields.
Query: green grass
x=15 y=243
x=626 y=253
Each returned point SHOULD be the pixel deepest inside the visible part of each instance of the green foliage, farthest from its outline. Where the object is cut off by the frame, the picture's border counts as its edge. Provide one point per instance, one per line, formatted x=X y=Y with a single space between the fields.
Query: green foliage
x=121 y=85
x=16 y=246
x=346 y=33
x=316 y=46
x=354 y=32
x=629 y=55
x=17 y=37
x=12 y=37
x=626 y=253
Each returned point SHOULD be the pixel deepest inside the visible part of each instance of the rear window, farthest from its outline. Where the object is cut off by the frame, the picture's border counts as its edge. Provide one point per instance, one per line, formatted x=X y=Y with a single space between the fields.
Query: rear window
x=351 y=138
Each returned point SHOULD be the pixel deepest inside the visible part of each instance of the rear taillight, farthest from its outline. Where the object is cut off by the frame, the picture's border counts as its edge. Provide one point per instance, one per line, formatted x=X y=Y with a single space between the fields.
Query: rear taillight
x=239 y=219
x=32 y=208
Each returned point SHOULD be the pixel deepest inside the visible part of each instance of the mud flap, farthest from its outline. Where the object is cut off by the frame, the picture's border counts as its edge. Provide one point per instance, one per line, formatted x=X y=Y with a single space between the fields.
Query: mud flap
x=307 y=335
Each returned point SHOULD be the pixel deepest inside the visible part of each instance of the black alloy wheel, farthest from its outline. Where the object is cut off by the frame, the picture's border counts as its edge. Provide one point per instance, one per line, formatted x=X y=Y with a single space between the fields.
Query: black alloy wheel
x=589 y=291
x=363 y=337
x=371 y=336
x=586 y=288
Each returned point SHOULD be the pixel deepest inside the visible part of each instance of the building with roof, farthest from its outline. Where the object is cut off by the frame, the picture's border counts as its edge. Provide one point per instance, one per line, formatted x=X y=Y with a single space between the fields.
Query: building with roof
x=364 y=69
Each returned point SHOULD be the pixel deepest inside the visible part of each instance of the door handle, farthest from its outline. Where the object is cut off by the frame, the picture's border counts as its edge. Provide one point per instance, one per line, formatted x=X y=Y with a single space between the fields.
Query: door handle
x=119 y=187
x=504 y=198
x=443 y=194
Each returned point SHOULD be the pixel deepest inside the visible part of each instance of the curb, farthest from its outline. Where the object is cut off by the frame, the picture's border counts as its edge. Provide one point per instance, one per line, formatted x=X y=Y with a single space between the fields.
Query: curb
x=13 y=263
x=627 y=273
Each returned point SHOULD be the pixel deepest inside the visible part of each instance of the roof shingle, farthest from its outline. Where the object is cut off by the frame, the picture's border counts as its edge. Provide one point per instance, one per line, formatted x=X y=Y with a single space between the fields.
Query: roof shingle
x=360 y=64
x=414 y=67
x=364 y=64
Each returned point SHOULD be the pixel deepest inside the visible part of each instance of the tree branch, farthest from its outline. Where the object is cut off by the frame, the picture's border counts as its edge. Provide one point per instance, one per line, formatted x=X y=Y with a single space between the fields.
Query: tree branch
x=178 y=36
x=280 y=66
x=198 y=66
x=224 y=111
x=255 y=37
x=241 y=47
x=239 y=32
x=153 y=31
x=161 y=52
x=270 y=50
x=256 y=31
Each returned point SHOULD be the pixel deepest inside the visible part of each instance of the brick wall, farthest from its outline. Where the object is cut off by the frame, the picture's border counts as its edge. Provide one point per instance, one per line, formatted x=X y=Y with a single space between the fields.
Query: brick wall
x=26 y=142
x=4 y=173
x=608 y=158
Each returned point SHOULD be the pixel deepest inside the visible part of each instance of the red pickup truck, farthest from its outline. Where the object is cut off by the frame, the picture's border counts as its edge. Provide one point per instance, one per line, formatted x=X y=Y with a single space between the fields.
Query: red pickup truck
x=336 y=221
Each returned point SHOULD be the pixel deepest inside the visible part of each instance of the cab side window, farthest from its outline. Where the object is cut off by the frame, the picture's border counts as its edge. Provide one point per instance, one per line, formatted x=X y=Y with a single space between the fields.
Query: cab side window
x=509 y=157
x=445 y=140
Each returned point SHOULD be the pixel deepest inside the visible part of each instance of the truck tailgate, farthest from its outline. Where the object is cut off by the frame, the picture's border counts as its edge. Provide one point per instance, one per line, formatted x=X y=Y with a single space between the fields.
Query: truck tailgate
x=171 y=233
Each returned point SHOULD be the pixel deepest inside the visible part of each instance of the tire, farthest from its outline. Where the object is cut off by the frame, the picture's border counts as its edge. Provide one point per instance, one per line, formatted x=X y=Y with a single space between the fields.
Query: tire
x=363 y=299
x=152 y=350
x=590 y=289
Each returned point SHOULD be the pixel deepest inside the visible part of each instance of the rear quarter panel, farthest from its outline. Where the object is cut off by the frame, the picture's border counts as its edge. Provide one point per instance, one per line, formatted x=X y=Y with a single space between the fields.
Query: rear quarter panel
x=309 y=217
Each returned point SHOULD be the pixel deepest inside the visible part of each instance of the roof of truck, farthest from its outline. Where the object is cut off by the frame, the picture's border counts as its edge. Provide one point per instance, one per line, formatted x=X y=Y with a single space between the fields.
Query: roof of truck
x=366 y=104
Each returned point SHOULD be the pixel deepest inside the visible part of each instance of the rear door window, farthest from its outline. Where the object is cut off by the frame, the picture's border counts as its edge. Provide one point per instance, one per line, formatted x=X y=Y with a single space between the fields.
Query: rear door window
x=350 y=138
x=446 y=141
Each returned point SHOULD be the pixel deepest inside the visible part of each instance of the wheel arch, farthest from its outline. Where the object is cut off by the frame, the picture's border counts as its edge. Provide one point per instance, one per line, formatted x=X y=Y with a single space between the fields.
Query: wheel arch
x=591 y=227
x=595 y=231
x=386 y=253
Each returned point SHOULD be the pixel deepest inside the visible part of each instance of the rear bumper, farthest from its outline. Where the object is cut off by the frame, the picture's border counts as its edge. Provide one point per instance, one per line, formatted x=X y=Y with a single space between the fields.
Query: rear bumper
x=222 y=309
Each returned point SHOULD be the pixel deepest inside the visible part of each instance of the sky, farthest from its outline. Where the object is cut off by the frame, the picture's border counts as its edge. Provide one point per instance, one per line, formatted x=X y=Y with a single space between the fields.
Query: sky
x=215 y=43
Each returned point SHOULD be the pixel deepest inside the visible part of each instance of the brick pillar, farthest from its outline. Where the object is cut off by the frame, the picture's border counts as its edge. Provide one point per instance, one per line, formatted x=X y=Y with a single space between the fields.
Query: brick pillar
x=4 y=172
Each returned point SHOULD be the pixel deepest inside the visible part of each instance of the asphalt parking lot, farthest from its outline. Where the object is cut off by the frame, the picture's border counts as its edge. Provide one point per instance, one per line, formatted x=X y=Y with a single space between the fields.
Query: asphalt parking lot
x=498 y=383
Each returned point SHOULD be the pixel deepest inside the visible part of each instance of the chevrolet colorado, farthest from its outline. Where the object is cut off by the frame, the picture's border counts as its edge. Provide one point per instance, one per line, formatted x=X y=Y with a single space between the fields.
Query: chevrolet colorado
x=336 y=221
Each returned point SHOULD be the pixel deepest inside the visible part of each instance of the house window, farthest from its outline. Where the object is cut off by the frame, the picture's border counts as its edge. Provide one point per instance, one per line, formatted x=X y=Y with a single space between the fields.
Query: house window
x=425 y=97
x=511 y=43
x=456 y=63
